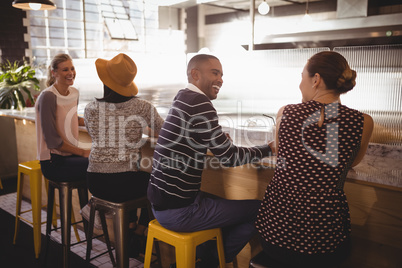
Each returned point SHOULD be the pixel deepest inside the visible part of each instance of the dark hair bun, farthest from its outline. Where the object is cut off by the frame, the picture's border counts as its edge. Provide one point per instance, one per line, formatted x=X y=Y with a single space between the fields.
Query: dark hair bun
x=346 y=81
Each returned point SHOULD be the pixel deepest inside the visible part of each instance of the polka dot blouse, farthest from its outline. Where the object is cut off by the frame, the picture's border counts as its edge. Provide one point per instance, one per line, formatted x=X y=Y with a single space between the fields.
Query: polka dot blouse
x=304 y=208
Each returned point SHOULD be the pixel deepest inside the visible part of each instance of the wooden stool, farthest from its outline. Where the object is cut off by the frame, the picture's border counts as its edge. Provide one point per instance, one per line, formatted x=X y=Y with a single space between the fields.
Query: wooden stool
x=65 y=199
x=32 y=169
x=120 y=212
x=184 y=243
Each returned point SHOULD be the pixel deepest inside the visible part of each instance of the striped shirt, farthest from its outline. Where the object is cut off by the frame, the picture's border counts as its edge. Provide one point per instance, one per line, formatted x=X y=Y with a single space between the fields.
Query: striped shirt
x=190 y=129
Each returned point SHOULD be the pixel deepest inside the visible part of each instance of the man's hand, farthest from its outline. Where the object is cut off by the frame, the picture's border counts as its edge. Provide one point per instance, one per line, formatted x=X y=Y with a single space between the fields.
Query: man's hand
x=272 y=145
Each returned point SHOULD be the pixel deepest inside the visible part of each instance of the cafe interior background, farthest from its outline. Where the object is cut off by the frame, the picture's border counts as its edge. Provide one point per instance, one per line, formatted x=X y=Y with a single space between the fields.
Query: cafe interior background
x=262 y=55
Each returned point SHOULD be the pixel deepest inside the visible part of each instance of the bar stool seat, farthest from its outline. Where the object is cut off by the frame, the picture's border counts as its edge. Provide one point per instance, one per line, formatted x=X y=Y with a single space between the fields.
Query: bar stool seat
x=120 y=213
x=65 y=198
x=33 y=170
x=184 y=243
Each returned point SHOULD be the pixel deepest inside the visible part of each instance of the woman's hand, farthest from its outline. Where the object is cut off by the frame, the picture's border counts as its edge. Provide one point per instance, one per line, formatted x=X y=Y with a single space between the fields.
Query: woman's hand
x=85 y=153
x=69 y=148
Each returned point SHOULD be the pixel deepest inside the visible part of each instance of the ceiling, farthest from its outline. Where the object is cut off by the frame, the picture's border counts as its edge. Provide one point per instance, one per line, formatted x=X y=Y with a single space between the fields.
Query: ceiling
x=352 y=29
x=243 y=4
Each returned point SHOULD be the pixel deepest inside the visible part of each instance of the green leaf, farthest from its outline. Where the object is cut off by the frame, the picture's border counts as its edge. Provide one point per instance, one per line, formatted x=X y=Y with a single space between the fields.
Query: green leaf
x=16 y=78
x=30 y=98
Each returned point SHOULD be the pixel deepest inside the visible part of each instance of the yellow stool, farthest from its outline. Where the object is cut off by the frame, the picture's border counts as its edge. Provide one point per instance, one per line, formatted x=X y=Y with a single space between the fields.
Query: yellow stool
x=184 y=243
x=32 y=169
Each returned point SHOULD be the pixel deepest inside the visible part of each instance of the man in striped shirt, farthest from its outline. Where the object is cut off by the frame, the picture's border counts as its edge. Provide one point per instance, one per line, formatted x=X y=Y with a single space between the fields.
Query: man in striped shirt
x=190 y=129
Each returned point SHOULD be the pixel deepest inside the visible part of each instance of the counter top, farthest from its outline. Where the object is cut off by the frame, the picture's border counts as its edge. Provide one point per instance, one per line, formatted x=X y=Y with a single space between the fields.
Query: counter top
x=381 y=164
x=26 y=113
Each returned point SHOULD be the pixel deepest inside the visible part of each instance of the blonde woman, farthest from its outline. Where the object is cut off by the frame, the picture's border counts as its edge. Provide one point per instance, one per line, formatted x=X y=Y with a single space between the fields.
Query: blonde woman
x=57 y=124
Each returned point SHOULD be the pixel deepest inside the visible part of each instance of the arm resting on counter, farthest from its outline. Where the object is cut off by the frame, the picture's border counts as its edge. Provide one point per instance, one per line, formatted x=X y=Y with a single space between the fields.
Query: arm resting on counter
x=278 y=123
x=81 y=121
x=367 y=131
x=69 y=148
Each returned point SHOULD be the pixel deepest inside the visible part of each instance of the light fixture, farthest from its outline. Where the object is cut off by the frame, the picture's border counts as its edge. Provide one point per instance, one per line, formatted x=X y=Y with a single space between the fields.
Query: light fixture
x=307 y=18
x=263 y=8
x=34 y=4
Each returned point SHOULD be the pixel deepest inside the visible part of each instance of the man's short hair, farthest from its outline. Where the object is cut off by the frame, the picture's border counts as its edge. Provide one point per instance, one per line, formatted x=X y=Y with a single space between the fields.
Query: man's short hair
x=197 y=60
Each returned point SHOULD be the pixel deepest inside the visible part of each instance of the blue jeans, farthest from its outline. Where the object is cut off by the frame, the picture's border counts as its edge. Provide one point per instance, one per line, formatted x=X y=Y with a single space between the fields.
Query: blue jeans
x=235 y=217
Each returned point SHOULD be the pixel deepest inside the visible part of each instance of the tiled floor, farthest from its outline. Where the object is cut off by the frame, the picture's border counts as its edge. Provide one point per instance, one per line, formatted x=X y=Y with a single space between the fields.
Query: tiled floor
x=8 y=203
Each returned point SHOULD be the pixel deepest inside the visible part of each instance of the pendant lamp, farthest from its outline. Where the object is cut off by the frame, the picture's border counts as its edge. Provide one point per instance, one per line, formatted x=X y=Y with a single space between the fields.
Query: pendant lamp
x=307 y=18
x=263 y=8
x=34 y=4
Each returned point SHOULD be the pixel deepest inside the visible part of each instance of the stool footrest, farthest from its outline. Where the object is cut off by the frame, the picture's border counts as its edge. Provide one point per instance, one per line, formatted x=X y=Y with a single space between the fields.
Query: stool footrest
x=58 y=228
x=100 y=254
x=29 y=221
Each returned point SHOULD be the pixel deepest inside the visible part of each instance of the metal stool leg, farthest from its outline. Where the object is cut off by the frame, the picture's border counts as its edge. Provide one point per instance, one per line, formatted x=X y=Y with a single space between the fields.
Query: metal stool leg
x=106 y=234
x=50 y=209
x=54 y=219
x=18 y=207
x=90 y=232
x=83 y=198
x=120 y=226
x=36 y=202
x=65 y=197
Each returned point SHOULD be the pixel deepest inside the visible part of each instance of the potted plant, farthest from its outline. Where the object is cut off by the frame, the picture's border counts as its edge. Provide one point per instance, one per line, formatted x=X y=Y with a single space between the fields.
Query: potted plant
x=14 y=80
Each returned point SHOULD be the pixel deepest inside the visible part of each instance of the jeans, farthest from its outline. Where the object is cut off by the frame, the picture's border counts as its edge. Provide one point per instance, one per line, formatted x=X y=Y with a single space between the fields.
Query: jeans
x=235 y=217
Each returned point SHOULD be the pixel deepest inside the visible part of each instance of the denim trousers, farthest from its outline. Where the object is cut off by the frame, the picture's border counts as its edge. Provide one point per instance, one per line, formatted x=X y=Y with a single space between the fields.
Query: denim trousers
x=235 y=217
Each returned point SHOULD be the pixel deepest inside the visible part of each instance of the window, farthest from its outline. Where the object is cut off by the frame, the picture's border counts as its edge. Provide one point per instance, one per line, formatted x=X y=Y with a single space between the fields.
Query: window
x=117 y=20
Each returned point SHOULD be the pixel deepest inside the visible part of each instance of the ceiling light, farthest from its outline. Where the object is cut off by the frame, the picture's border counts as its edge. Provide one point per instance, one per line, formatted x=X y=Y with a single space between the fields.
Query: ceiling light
x=34 y=4
x=307 y=18
x=263 y=8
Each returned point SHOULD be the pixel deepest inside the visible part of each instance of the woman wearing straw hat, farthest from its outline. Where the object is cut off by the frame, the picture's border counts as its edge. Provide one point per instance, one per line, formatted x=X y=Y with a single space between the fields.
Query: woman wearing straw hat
x=116 y=123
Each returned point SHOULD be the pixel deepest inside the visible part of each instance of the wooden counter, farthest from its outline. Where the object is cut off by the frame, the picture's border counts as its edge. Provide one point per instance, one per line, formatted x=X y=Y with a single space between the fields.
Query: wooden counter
x=375 y=208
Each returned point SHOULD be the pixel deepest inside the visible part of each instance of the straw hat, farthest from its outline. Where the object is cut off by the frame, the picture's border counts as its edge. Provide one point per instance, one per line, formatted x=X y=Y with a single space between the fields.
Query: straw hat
x=118 y=74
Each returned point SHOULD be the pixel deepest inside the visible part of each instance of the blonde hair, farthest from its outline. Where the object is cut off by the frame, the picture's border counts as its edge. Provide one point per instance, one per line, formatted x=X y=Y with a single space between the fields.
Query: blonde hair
x=59 y=58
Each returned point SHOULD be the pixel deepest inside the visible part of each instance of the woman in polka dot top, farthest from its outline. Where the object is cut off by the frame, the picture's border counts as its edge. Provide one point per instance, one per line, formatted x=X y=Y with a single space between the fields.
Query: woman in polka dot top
x=304 y=217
